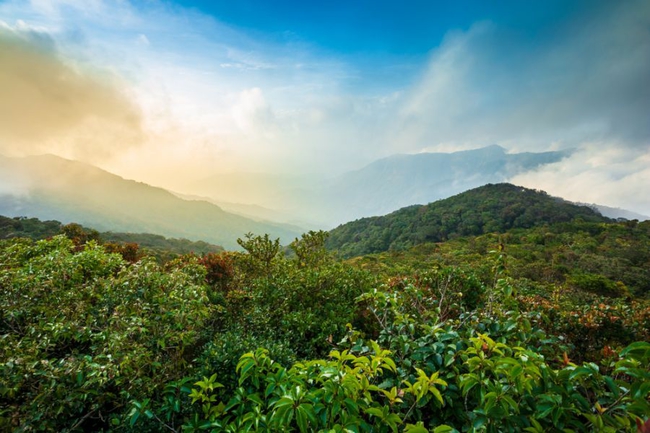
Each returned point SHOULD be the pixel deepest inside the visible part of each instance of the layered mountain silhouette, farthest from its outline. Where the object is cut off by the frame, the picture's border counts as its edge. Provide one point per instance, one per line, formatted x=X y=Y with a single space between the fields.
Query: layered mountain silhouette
x=378 y=188
x=50 y=187
x=617 y=213
x=403 y=180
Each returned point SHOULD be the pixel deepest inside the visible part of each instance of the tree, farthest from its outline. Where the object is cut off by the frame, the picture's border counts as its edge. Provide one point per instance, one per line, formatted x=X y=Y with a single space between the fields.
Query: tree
x=310 y=248
x=261 y=252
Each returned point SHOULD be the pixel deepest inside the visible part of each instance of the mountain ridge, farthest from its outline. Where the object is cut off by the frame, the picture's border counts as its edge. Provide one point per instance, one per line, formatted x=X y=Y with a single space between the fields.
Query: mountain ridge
x=50 y=187
x=486 y=209
x=382 y=186
x=406 y=179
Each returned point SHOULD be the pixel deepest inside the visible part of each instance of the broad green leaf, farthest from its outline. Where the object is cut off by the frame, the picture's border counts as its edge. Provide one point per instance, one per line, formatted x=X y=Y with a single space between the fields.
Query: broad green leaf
x=411 y=428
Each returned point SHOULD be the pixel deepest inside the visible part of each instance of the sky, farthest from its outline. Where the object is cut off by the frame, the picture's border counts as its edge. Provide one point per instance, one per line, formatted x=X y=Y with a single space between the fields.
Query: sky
x=171 y=92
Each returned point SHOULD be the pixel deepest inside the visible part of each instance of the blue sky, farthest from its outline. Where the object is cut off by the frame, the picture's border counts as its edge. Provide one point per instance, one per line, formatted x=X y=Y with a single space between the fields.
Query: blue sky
x=383 y=27
x=153 y=87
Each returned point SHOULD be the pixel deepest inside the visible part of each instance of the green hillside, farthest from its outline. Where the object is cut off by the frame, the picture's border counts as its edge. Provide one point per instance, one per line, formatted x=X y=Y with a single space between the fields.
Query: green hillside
x=610 y=259
x=377 y=188
x=487 y=209
x=158 y=246
x=538 y=328
x=32 y=228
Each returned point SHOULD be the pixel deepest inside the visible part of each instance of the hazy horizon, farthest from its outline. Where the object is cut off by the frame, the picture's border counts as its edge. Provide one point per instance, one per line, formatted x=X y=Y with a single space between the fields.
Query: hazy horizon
x=173 y=92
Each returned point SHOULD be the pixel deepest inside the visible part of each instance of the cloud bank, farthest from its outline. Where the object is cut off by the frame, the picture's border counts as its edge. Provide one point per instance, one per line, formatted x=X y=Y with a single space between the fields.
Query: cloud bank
x=584 y=85
x=586 y=81
x=49 y=106
x=210 y=97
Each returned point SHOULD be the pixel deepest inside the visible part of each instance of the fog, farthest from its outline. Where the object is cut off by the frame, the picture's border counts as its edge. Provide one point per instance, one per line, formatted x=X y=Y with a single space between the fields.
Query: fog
x=216 y=99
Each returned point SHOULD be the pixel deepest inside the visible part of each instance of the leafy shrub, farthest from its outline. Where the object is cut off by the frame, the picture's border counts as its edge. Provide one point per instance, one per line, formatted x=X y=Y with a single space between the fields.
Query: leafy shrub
x=92 y=342
x=598 y=285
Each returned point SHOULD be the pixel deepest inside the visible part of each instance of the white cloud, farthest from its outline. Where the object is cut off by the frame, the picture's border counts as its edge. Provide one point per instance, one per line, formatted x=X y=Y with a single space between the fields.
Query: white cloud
x=51 y=106
x=251 y=112
x=584 y=86
x=588 y=81
x=612 y=176
x=215 y=98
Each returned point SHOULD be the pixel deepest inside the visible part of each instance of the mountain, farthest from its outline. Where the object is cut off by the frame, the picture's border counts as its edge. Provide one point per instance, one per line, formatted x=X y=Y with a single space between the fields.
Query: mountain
x=255 y=212
x=616 y=213
x=403 y=180
x=380 y=187
x=288 y=199
x=50 y=187
x=487 y=209
x=32 y=228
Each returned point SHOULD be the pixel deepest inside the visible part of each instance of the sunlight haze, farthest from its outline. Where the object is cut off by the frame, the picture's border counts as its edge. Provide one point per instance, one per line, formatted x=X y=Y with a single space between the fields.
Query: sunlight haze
x=172 y=93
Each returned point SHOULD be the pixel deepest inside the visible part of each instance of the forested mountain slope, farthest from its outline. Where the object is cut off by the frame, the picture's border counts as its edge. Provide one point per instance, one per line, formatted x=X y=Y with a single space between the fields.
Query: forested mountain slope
x=90 y=341
x=403 y=180
x=487 y=209
x=607 y=259
x=147 y=244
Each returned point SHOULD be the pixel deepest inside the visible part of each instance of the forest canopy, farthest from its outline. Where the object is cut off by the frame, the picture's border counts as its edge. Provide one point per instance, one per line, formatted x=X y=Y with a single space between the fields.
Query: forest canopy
x=487 y=333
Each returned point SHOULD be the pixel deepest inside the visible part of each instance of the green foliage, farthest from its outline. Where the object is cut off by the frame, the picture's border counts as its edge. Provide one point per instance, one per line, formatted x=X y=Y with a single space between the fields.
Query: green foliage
x=597 y=284
x=164 y=249
x=83 y=333
x=479 y=334
x=262 y=252
x=25 y=227
x=548 y=255
x=343 y=393
x=488 y=209
x=578 y=275
x=132 y=246
x=310 y=248
x=280 y=299
x=79 y=235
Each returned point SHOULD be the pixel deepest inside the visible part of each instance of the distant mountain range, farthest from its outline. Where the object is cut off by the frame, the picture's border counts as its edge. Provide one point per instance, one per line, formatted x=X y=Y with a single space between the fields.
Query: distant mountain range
x=616 y=213
x=378 y=188
x=487 y=209
x=53 y=188
x=403 y=180
x=255 y=212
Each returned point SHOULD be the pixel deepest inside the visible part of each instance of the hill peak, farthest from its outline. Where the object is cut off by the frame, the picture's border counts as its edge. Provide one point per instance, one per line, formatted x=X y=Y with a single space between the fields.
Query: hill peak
x=491 y=208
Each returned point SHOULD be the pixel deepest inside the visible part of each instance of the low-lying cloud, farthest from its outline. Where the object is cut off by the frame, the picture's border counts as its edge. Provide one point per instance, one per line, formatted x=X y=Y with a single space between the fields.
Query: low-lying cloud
x=584 y=85
x=586 y=81
x=615 y=177
x=50 y=106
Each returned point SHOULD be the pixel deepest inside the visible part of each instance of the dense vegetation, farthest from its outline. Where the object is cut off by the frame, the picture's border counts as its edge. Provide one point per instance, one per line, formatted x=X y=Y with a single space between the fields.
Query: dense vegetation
x=487 y=209
x=32 y=228
x=609 y=259
x=137 y=244
x=439 y=339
